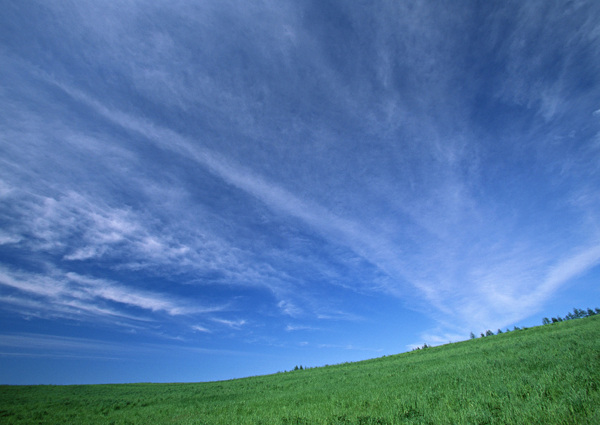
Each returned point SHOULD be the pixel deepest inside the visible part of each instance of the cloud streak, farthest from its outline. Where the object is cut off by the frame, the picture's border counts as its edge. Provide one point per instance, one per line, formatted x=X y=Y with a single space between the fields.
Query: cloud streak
x=406 y=271
x=77 y=296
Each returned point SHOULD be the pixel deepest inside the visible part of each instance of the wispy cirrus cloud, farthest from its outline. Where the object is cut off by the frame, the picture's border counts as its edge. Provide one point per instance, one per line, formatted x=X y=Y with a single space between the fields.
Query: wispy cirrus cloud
x=294 y=328
x=59 y=346
x=233 y=324
x=80 y=225
x=82 y=297
x=571 y=266
x=51 y=343
x=80 y=228
x=289 y=308
x=441 y=286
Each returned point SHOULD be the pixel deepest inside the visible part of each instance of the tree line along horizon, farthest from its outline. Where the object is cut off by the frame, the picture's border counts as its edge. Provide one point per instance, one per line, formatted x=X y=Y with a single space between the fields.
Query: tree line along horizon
x=576 y=314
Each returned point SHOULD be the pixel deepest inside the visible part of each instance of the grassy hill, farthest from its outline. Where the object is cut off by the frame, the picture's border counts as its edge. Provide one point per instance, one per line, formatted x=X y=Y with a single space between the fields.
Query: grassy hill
x=544 y=375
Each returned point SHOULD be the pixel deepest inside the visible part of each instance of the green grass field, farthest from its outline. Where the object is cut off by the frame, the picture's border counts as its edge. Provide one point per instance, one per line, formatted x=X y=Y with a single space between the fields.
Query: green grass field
x=544 y=375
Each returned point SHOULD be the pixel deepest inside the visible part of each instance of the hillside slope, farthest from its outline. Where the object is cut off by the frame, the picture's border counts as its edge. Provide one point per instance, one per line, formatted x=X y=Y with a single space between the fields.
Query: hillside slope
x=544 y=375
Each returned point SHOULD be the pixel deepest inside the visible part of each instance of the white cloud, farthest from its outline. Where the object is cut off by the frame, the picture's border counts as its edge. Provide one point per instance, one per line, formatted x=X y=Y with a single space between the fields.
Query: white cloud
x=289 y=308
x=85 y=253
x=80 y=227
x=293 y=328
x=101 y=288
x=569 y=268
x=6 y=239
x=33 y=283
x=30 y=341
x=339 y=315
x=199 y=328
x=84 y=298
x=234 y=324
x=5 y=189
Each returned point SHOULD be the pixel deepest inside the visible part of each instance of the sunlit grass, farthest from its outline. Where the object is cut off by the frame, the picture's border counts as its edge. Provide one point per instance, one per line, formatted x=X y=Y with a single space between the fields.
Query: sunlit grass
x=544 y=375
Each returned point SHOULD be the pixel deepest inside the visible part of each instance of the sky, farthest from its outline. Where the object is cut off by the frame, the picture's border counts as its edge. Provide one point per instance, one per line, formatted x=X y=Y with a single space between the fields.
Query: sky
x=205 y=190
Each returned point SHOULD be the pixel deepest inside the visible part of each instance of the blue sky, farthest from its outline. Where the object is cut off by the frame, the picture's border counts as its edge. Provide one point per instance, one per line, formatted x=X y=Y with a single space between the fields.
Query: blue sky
x=195 y=191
